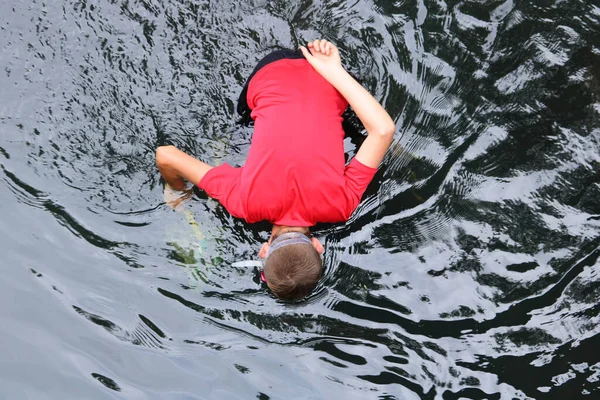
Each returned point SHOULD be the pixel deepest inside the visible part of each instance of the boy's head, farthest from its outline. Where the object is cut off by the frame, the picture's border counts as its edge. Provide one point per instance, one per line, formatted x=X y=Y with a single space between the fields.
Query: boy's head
x=292 y=265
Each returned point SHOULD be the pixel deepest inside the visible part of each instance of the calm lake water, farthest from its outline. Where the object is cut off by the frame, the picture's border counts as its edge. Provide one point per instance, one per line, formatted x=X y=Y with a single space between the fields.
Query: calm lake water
x=470 y=270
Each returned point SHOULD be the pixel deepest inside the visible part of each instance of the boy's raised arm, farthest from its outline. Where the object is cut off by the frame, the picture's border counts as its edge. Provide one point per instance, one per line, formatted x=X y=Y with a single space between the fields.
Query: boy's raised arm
x=325 y=59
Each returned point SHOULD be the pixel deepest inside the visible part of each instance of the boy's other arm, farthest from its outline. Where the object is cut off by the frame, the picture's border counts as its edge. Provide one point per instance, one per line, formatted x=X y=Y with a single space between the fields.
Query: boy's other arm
x=325 y=59
x=176 y=167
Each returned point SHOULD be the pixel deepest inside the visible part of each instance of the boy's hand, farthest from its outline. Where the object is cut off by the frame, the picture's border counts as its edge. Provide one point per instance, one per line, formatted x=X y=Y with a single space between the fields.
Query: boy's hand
x=176 y=199
x=323 y=56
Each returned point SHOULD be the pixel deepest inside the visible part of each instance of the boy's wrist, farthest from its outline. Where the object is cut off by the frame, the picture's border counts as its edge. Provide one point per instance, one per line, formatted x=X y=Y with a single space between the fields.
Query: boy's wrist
x=337 y=70
x=337 y=76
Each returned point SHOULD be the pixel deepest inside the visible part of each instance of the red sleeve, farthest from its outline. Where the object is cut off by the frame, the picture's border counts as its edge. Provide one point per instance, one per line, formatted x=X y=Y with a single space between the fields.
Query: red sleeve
x=222 y=183
x=358 y=176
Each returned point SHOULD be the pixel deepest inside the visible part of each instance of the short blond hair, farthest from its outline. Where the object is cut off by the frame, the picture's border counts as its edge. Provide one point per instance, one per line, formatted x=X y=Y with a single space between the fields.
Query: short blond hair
x=292 y=272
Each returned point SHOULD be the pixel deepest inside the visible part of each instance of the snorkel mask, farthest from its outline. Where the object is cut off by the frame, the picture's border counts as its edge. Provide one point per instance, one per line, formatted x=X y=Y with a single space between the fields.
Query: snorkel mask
x=283 y=240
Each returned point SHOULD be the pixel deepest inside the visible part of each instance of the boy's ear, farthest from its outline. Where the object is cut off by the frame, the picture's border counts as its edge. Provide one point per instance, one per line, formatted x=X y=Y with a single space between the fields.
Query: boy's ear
x=317 y=245
x=264 y=249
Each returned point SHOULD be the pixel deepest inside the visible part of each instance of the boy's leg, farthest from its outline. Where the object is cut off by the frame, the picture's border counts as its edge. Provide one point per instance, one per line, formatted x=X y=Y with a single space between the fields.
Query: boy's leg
x=176 y=167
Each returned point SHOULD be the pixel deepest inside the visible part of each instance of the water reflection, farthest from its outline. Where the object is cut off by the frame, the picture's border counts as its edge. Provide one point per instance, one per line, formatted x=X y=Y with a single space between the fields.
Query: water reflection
x=469 y=271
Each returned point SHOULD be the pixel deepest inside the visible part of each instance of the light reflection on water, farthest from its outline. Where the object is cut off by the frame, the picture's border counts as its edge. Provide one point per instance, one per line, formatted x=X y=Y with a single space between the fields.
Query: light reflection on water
x=470 y=269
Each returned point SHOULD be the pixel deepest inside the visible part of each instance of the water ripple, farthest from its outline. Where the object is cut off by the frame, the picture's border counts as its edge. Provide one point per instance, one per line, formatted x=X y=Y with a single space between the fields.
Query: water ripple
x=469 y=270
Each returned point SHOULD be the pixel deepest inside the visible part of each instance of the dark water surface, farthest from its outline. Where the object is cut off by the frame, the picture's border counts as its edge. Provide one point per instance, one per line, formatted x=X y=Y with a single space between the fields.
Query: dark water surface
x=469 y=271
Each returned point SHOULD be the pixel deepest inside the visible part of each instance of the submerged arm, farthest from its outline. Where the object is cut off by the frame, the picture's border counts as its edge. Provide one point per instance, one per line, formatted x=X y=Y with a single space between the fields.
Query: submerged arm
x=176 y=167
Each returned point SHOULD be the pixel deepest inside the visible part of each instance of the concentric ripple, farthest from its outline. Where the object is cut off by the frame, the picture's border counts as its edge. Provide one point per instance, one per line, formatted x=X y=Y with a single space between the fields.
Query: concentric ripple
x=470 y=269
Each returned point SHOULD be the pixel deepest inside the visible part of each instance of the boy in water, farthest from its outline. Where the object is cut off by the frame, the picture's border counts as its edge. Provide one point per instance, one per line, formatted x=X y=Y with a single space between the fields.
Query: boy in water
x=295 y=174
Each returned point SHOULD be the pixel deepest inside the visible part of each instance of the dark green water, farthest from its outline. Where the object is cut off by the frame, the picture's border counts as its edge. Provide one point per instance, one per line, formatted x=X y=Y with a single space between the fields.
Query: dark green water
x=470 y=270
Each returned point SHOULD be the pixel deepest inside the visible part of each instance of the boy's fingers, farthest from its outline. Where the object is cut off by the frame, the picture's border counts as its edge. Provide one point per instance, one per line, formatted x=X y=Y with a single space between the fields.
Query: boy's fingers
x=305 y=52
x=322 y=46
x=317 y=45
